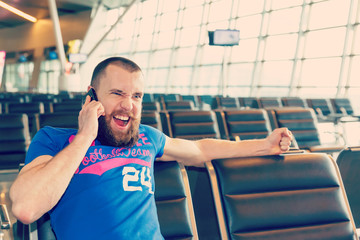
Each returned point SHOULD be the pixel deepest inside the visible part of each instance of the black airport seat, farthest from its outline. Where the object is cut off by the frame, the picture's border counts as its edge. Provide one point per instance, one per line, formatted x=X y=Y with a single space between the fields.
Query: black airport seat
x=224 y=102
x=60 y=119
x=269 y=102
x=244 y=124
x=303 y=124
x=293 y=102
x=173 y=201
x=349 y=166
x=196 y=125
x=151 y=106
x=14 y=139
x=249 y=102
x=148 y=97
x=193 y=98
x=295 y=196
x=30 y=109
x=151 y=118
x=342 y=106
x=190 y=124
x=67 y=106
x=180 y=105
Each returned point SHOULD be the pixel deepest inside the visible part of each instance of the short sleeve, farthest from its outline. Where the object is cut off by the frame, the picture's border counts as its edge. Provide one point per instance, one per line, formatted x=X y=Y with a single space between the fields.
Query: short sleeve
x=157 y=137
x=161 y=139
x=42 y=144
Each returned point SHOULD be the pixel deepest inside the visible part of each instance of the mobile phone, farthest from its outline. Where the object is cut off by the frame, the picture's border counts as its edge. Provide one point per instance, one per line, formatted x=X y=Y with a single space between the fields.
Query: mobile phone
x=92 y=94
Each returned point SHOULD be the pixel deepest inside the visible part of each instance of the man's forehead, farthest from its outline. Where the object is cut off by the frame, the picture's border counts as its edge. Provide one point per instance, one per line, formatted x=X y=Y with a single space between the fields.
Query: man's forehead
x=119 y=77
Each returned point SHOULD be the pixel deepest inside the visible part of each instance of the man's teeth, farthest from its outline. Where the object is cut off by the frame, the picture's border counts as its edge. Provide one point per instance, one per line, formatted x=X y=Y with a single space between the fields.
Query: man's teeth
x=123 y=118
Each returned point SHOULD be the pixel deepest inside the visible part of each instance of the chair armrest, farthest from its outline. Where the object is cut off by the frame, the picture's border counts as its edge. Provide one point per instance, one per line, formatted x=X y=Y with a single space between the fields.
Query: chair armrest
x=4 y=217
x=326 y=148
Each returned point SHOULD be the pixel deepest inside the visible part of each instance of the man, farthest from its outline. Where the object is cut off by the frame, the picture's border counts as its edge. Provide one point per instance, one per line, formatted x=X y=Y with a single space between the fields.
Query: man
x=97 y=182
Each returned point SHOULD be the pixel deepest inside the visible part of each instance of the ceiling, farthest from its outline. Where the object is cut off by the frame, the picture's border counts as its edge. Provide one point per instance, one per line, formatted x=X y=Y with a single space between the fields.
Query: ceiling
x=40 y=10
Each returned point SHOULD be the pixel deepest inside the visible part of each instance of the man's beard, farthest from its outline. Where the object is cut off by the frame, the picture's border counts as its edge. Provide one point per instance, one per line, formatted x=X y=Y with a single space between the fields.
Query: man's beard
x=107 y=137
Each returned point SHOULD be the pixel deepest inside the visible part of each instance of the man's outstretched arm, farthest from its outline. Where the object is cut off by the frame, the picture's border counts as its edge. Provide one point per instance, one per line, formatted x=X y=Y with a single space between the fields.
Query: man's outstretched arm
x=195 y=153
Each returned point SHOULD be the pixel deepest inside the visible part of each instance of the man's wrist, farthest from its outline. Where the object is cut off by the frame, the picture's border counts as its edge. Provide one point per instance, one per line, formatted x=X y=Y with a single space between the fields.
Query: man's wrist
x=82 y=138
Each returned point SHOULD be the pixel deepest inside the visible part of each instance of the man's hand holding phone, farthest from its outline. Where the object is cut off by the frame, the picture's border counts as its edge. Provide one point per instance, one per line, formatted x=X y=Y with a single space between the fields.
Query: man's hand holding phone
x=89 y=114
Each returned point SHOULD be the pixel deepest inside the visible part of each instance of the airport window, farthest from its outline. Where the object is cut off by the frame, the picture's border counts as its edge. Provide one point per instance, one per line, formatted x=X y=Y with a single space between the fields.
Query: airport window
x=18 y=76
x=317 y=49
x=48 y=77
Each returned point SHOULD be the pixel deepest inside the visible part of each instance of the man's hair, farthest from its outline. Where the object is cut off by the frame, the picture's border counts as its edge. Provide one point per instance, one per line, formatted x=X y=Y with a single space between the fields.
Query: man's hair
x=119 y=61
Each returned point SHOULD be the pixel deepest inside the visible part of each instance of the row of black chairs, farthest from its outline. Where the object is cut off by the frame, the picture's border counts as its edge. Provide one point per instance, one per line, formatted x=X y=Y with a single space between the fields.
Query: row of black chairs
x=242 y=124
x=25 y=97
x=334 y=110
x=31 y=109
x=322 y=106
x=251 y=198
x=41 y=107
x=191 y=124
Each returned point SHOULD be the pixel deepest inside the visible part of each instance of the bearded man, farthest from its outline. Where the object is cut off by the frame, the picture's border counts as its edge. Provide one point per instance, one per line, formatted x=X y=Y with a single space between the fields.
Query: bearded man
x=97 y=181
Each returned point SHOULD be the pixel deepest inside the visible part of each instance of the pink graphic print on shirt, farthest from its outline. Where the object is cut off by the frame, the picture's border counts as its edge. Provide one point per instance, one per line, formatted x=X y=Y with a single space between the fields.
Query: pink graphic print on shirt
x=97 y=162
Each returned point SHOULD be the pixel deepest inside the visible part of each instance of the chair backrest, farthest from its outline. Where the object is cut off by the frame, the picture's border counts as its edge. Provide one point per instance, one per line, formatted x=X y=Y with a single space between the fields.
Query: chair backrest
x=67 y=106
x=245 y=124
x=320 y=106
x=60 y=119
x=197 y=125
x=267 y=102
x=249 y=102
x=296 y=196
x=349 y=165
x=42 y=98
x=28 y=108
x=302 y=122
x=191 y=124
x=14 y=139
x=151 y=118
x=179 y=105
x=342 y=106
x=151 y=106
x=148 y=97
x=171 y=97
x=205 y=99
x=293 y=102
x=173 y=201
x=31 y=109
x=219 y=102
x=193 y=98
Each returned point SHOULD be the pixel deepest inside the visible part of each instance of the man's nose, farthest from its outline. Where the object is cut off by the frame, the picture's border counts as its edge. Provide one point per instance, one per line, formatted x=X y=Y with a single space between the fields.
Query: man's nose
x=126 y=104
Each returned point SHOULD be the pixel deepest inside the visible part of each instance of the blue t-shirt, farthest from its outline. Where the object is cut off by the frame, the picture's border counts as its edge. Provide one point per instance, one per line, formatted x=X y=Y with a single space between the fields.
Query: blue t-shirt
x=111 y=195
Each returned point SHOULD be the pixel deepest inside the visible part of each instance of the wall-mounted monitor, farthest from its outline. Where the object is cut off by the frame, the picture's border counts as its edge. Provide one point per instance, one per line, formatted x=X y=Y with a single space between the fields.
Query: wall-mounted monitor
x=25 y=56
x=224 y=37
x=77 y=57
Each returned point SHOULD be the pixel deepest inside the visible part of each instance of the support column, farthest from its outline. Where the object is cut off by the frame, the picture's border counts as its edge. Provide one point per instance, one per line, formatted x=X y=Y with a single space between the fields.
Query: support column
x=38 y=58
x=59 y=44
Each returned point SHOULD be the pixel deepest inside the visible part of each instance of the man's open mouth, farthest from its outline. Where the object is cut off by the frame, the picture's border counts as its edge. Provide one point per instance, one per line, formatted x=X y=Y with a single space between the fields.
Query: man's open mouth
x=121 y=120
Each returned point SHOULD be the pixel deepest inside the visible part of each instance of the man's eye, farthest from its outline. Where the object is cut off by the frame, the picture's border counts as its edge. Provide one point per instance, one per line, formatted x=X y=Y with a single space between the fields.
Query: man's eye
x=137 y=96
